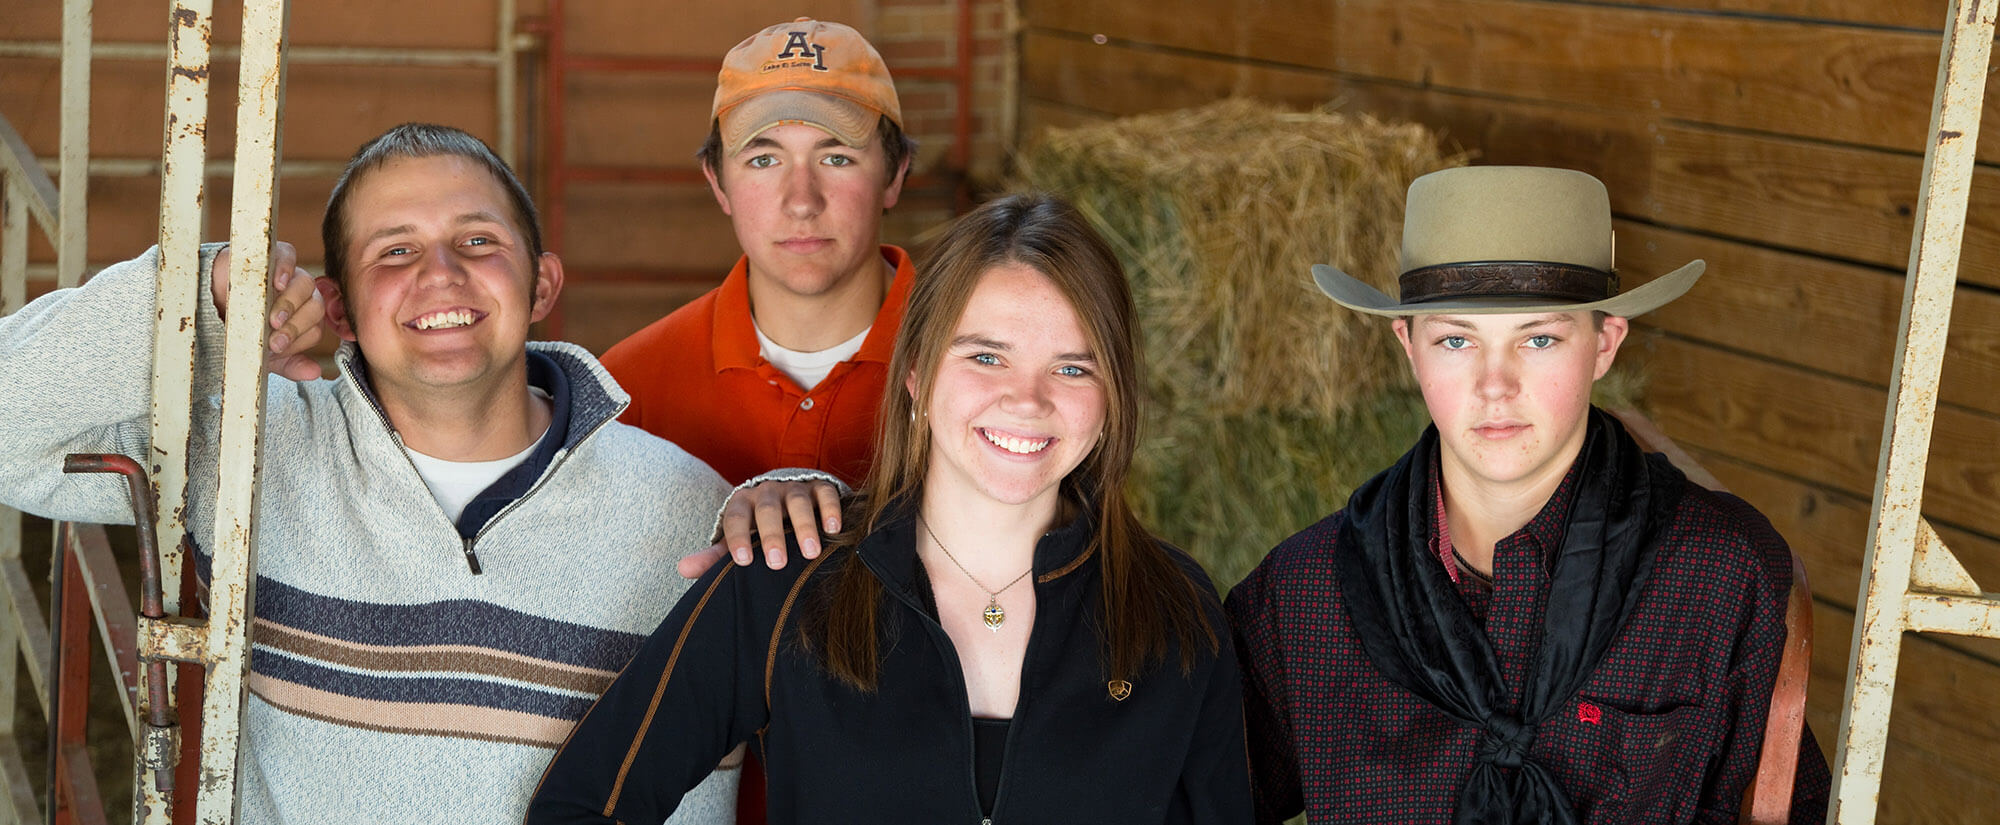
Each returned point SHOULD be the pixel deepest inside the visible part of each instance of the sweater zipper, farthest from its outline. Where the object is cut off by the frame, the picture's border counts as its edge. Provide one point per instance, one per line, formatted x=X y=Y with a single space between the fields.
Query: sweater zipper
x=471 y=558
x=466 y=544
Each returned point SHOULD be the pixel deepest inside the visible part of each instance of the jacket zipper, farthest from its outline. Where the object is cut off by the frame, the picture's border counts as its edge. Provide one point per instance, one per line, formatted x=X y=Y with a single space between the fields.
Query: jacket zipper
x=471 y=557
x=965 y=704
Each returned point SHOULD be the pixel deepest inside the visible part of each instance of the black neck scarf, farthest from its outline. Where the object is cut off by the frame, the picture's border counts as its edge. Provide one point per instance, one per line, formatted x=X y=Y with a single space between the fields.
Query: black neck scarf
x=1420 y=634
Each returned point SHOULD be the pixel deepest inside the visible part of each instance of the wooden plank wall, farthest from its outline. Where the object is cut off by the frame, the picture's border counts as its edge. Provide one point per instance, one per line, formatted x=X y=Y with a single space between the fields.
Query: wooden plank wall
x=635 y=251
x=638 y=250
x=1781 y=141
x=330 y=108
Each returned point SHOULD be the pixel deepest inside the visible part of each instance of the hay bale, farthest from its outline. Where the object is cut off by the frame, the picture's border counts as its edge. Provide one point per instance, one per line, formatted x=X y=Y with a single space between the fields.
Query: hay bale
x=1266 y=402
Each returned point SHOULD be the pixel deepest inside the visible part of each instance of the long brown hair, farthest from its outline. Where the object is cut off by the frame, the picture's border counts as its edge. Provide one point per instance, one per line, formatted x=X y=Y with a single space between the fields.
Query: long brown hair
x=1149 y=603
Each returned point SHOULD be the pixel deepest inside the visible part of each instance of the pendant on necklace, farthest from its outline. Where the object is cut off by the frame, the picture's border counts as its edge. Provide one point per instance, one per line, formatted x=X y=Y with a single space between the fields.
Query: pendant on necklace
x=995 y=615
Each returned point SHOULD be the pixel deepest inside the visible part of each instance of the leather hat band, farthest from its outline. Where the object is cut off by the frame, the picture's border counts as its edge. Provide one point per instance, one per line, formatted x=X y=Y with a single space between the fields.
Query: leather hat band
x=1508 y=279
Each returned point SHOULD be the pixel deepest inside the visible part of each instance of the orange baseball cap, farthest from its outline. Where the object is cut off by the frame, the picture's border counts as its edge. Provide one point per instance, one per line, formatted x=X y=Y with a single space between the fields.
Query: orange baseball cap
x=810 y=72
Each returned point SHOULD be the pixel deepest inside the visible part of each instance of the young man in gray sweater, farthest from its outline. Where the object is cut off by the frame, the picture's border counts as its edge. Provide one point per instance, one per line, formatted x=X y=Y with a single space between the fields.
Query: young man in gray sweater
x=458 y=544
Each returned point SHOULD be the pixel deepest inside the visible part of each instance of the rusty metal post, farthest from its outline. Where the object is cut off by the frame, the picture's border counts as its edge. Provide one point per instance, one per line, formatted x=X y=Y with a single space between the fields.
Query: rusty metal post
x=1896 y=524
x=183 y=161
x=253 y=204
x=182 y=165
x=72 y=249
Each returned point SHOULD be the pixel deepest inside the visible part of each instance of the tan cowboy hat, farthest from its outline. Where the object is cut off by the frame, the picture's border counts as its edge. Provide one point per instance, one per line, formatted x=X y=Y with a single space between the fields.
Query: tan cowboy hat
x=1489 y=240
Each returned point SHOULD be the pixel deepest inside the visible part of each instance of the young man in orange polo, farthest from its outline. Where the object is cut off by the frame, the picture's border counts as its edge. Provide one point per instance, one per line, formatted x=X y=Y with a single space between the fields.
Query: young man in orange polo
x=784 y=363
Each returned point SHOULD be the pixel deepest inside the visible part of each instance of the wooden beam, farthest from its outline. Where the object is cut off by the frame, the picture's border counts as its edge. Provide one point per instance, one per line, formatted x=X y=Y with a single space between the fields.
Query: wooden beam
x=1301 y=32
x=368 y=99
x=22 y=804
x=1946 y=712
x=1807 y=78
x=1120 y=80
x=1825 y=315
x=689 y=228
x=422 y=25
x=1809 y=425
x=1037 y=117
x=1067 y=73
x=1917 y=14
x=1828 y=529
x=28 y=614
x=1843 y=202
x=1921 y=786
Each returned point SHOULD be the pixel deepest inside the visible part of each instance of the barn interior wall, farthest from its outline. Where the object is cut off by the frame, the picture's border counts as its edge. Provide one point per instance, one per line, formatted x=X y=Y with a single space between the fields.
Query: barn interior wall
x=634 y=249
x=1780 y=140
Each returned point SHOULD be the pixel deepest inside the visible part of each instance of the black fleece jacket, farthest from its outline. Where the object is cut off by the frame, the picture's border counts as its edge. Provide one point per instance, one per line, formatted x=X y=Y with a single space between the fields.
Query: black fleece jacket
x=726 y=667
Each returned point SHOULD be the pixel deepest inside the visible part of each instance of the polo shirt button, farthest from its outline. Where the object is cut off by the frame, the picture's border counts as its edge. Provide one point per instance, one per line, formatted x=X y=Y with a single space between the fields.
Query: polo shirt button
x=806 y=404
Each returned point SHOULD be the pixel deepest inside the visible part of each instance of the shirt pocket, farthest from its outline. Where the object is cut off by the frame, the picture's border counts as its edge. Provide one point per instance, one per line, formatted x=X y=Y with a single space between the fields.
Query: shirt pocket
x=1655 y=760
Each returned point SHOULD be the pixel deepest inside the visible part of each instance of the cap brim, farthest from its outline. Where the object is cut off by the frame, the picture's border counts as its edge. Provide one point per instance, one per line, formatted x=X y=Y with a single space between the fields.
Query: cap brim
x=1350 y=292
x=847 y=121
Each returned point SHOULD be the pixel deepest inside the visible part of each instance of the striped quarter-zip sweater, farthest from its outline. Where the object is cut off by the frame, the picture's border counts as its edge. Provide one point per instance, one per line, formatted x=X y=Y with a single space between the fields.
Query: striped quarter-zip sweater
x=390 y=682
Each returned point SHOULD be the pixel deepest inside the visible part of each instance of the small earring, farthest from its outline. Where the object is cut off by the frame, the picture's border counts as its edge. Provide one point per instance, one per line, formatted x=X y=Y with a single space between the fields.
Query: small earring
x=913 y=415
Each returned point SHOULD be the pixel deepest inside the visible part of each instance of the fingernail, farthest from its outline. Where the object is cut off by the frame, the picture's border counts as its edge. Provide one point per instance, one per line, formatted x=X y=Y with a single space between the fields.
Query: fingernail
x=279 y=341
x=810 y=547
x=279 y=318
x=742 y=555
x=832 y=525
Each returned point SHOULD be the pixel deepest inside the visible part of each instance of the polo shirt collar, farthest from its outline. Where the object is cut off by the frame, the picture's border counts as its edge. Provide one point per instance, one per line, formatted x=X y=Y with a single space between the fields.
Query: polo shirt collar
x=735 y=336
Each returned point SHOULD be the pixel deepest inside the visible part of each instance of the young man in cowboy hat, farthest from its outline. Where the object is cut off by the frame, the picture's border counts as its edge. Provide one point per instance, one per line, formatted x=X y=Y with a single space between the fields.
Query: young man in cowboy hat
x=783 y=364
x=1526 y=619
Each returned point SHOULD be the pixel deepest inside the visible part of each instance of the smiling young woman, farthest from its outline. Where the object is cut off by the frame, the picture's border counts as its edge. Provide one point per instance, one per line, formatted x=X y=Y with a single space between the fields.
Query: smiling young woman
x=995 y=638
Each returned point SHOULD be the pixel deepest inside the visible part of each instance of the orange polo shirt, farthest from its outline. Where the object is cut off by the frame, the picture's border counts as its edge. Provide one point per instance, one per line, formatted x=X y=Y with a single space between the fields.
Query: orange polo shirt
x=696 y=379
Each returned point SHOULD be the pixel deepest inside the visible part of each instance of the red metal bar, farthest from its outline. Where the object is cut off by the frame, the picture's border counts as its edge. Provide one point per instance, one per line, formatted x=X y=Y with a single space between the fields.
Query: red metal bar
x=110 y=604
x=86 y=804
x=73 y=796
x=635 y=174
x=188 y=694
x=636 y=63
x=152 y=598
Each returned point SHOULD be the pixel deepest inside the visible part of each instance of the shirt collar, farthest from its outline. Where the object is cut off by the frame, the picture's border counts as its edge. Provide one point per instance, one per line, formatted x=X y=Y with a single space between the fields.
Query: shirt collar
x=1543 y=534
x=735 y=334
